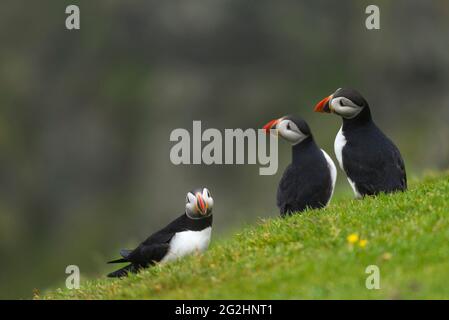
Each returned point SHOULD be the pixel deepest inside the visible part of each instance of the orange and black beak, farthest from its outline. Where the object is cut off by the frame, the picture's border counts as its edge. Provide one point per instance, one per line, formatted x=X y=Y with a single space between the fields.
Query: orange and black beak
x=324 y=106
x=271 y=125
x=202 y=205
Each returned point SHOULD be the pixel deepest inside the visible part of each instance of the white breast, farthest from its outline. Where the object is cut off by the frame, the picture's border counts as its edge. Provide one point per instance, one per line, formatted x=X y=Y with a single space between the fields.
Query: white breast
x=340 y=142
x=188 y=242
x=333 y=170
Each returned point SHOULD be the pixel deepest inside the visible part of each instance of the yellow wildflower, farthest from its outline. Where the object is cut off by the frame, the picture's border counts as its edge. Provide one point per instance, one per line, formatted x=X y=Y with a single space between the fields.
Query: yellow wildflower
x=353 y=238
x=363 y=243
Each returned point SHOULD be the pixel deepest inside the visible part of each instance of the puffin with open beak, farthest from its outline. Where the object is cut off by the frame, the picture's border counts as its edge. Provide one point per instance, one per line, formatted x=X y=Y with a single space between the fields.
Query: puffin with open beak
x=371 y=161
x=309 y=181
x=187 y=234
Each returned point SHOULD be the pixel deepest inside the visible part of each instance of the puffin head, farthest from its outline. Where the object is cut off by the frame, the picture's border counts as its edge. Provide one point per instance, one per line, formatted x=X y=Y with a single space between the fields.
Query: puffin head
x=293 y=129
x=347 y=103
x=199 y=203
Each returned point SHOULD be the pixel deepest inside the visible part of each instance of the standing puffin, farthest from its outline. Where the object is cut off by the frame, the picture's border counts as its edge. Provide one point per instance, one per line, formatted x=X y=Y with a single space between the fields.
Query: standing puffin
x=187 y=234
x=309 y=181
x=371 y=161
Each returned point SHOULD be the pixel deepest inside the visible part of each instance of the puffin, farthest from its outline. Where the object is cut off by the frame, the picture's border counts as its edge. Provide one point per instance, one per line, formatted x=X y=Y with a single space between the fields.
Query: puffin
x=371 y=161
x=189 y=233
x=309 y=181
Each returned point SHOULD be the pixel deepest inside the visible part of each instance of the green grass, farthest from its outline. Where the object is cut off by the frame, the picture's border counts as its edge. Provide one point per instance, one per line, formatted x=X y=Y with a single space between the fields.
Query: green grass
x=308 y=256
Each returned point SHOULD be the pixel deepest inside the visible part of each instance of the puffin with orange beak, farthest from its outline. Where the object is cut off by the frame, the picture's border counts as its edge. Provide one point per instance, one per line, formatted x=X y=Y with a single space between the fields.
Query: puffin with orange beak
x=187 y=234
x=309 y=181
x=371 y=161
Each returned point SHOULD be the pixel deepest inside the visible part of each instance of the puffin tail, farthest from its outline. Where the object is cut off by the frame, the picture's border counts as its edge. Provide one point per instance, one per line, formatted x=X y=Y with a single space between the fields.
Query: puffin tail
x=118 y=260
x=123 y=272
x=124 y=253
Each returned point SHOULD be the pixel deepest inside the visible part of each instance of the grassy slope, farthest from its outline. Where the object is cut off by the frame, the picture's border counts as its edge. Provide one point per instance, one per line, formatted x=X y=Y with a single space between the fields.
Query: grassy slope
x=308 y=255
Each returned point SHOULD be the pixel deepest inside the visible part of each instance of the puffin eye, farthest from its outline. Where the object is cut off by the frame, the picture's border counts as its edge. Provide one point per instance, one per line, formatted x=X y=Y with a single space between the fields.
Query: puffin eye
x=288 y=126
x=341 y=102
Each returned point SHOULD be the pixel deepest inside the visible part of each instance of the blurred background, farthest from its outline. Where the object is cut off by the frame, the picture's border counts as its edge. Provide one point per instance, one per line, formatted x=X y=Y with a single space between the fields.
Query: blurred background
x=85 y=116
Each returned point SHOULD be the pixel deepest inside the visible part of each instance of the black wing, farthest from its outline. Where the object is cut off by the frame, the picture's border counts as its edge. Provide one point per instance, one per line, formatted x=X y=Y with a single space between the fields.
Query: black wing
x=145 y=255
x=156 y=246
x=152 y=249
x=374 y=165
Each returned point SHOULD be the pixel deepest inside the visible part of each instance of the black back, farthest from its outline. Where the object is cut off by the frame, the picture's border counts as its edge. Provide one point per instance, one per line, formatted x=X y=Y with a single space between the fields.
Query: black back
x=307 y=182
x=156 y=246
x=182 y=223
x=370 y=159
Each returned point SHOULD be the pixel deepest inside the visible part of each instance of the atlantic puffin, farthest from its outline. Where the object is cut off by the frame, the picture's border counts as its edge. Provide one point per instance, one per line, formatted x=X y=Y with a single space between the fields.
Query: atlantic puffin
x=371 y=161
x=189 y=233
x=309 y=181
